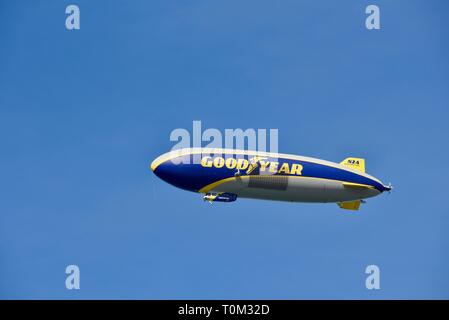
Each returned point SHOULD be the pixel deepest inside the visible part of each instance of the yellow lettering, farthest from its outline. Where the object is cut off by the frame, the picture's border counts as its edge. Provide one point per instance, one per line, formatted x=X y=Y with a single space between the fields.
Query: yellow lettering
x=242 y=164
x=206 y=162
x=296 y=169
x=231 y=163
x=284 y=168
x=263 y=165
x=274 y=167
x=219 y=162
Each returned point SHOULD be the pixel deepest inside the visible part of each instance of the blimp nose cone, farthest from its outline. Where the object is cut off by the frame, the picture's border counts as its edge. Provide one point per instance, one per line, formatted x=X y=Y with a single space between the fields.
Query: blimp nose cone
x=177 y=174
x=157 y=162
x=163 y=170
x=153 y=165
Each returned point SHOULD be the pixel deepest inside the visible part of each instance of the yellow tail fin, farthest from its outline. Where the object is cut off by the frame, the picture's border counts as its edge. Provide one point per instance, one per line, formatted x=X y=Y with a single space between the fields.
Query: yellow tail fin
x=350 y=205
x=354 y=163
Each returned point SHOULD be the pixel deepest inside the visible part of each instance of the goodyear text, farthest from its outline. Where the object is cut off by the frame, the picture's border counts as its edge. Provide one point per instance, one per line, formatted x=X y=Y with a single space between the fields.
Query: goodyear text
x=264 y=165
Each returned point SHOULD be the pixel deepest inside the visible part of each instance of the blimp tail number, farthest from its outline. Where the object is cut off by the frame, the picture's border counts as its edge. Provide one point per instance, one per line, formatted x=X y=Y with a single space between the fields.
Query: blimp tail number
x=354 y=163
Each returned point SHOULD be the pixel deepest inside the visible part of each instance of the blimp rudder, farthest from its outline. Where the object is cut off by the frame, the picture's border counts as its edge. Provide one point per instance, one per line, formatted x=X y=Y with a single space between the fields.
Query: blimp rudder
x=350 y=205
x=354 y=163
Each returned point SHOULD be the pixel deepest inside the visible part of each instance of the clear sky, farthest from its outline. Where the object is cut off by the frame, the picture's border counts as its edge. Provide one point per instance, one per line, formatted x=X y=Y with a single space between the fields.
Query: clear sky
x=84 y=112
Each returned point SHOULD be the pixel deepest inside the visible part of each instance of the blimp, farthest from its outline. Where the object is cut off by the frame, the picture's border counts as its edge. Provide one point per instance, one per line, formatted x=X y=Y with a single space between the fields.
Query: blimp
x=225 y=175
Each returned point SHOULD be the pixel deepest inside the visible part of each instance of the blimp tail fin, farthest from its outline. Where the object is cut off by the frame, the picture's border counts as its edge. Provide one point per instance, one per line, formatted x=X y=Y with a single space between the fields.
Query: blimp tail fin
x=350 y=205
x=354 y=163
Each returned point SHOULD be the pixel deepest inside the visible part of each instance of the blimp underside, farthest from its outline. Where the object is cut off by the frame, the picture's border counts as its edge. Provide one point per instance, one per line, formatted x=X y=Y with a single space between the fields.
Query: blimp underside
x=295 y=189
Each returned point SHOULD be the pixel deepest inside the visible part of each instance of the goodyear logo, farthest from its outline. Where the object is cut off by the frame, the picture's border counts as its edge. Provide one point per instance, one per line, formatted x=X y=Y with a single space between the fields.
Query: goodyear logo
x=250 y=165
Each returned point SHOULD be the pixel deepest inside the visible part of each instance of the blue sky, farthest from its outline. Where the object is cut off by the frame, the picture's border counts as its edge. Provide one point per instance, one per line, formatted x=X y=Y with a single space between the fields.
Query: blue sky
x=83 y=113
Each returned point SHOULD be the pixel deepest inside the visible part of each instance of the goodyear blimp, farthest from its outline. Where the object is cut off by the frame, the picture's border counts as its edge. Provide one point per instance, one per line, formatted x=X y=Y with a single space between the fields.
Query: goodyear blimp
x=223 y=175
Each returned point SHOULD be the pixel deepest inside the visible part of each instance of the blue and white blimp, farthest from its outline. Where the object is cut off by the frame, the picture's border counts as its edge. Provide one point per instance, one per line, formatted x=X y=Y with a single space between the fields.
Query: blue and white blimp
x=223 y=175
